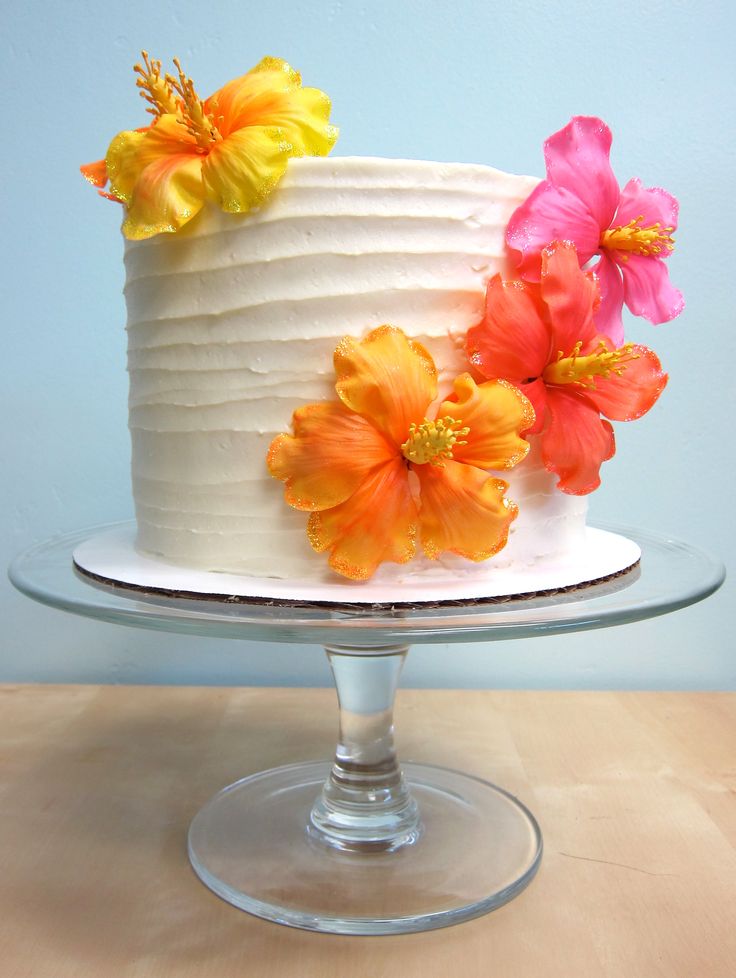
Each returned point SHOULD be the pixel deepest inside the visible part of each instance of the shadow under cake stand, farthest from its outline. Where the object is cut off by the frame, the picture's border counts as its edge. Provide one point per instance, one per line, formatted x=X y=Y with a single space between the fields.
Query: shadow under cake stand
x=365 y=845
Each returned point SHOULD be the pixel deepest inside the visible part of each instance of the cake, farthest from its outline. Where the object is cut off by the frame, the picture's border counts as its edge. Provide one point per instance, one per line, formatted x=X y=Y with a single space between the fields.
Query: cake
x=239 y=296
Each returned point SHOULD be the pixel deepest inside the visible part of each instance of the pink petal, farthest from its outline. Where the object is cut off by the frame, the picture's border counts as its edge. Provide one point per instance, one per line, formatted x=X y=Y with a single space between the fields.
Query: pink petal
x=577 y=160
x=608 y=316
x=653 y=204
x=570 y=295
x=648 y=291
x=512 y=342
x=550 y=213
x=576 y=441
x=630 y=394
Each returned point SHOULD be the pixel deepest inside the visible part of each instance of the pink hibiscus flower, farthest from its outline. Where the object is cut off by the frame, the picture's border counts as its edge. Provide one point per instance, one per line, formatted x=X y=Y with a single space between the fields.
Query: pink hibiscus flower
x=630 y=230
x=542 y=338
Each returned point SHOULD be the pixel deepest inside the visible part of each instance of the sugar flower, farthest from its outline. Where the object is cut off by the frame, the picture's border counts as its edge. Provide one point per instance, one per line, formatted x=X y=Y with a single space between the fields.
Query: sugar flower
x=629 y=231
x=543 y=338
x=376 y=474
x=231 y=149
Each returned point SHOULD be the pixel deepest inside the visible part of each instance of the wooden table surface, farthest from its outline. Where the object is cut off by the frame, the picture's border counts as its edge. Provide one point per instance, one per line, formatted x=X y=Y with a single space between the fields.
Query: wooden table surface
x=634 y=793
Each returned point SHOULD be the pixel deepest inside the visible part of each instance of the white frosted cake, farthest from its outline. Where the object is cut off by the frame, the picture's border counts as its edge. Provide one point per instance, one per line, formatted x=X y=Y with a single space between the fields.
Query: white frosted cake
x=232 y=324
x=233 y=321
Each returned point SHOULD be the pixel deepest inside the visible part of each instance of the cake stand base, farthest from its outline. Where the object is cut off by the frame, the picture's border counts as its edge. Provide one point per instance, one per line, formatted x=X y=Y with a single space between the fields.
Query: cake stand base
x=476 y=848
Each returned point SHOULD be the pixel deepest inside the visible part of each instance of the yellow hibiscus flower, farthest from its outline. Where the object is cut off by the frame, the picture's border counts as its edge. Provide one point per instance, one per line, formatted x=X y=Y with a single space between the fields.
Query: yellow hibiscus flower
x=231 y=149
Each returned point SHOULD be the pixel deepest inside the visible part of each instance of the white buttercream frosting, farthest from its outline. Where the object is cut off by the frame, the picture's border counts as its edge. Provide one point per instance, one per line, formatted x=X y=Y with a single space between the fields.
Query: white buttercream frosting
x=232 y=324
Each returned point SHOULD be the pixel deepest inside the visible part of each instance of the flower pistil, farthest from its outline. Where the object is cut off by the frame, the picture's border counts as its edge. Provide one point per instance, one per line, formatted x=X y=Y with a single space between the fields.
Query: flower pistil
x=433 y=441
x=577 y=369
x=638 y=240
x=157 y=91
x=199 y=123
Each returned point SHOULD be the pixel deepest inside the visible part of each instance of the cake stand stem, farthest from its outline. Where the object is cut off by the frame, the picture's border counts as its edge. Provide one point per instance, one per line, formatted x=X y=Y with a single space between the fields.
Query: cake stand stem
x=365 y=803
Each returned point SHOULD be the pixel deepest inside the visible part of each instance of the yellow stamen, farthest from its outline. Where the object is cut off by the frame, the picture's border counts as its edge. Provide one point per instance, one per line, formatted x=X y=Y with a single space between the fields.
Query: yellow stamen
x=200 y=124
x=154 y=89
x=433 y=441
x=638 y=240
x=581 y=370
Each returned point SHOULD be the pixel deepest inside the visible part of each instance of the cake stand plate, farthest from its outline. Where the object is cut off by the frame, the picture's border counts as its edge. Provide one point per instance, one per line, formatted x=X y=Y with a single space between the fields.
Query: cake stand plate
x=362 y=845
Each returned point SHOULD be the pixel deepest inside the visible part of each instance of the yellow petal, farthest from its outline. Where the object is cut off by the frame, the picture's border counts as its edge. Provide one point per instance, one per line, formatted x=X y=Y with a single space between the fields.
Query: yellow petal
x=377 y=523
x=168 y=194
x=241 y=170
x=132 y=151
x=463 y=511
x=271 y=95
x=329 y=455
x=387 y=378
x=157 y=172
x=496 y=413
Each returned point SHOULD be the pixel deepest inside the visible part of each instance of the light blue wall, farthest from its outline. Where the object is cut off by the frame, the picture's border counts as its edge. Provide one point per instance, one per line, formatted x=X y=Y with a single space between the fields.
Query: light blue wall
x=467 y=80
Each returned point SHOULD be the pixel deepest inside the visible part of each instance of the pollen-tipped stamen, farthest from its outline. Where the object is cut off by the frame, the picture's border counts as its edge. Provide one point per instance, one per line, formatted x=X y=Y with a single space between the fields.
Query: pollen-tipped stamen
x=581 y=370
x=433 y=441
x=200 y=124
x=635 y=239
x=154 y=89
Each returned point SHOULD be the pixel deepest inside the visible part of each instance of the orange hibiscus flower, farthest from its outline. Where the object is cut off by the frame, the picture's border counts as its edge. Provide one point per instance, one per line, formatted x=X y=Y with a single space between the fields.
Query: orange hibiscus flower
x=231 y=149
x=376 y=474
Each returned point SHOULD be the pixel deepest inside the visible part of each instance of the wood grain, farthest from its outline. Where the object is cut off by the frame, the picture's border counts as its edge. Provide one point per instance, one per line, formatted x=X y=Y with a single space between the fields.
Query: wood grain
x=634 y=792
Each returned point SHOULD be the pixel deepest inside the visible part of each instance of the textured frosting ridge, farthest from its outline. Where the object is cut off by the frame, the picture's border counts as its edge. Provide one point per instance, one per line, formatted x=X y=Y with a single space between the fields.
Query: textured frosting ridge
x=232 y=324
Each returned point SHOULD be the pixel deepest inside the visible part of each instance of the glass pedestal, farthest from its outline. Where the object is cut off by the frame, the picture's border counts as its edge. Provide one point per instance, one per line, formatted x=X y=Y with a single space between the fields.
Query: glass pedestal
x=365 y=845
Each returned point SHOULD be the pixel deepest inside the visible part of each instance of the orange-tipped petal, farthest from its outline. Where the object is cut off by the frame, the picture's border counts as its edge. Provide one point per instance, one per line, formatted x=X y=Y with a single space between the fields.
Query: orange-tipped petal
x=242 y=170
x=96 y=173
x=630 y=394
x=377 y=523
x=330 y=454
x=496 y=413
x=463 y=511
x=576 y=441
x=571 y=296
x=513 y=341
x=388 y=378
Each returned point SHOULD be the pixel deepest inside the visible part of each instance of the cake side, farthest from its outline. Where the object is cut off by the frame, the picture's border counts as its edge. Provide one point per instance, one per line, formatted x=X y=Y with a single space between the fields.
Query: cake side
x=232 y=324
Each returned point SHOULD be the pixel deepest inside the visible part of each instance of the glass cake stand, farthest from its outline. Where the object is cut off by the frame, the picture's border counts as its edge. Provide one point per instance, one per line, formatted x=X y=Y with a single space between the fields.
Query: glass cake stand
x=364 y=845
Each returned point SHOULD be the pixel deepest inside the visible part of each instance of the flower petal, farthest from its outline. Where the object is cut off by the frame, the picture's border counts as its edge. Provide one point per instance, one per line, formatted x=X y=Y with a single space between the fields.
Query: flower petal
x=96 y=173
x=630 y=394
x=577 y=159
x=536 y=394
x=387 y=378
x=608 y=315
x=648 y=291
x=513 y=341
x=463 y=511
x=570 y=294
x=576 y=441
x=157 y=172
x=241 y=170
x=168 y=195
x=132 y=151
x=377 y=523
x=329 y=455
x=496 y=412
x=652 y=204
x=550 y=213
x=271 y=95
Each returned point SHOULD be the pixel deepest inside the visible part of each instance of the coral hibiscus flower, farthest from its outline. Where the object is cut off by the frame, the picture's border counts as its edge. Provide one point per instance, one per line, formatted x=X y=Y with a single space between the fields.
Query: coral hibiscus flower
x=231 y=149
x=630 y=230
x=375 y=473
x=542 y=337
